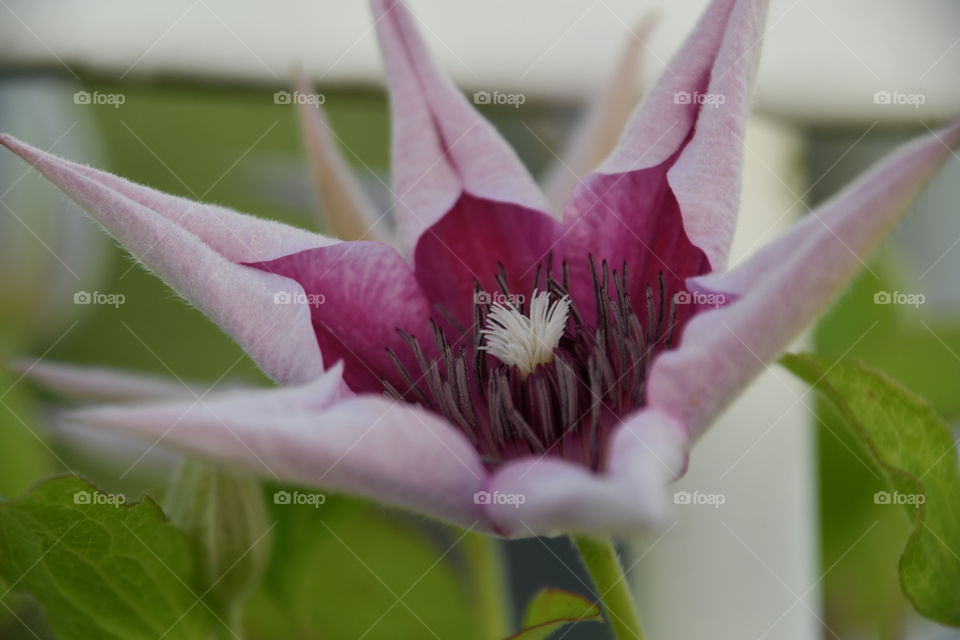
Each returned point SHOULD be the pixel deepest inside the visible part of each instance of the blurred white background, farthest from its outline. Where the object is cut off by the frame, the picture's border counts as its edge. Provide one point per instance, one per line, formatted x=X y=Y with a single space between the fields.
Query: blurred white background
x=823 y=60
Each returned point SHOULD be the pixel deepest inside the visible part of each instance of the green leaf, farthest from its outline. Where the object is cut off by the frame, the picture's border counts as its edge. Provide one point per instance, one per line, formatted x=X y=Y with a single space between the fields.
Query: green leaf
x=910 y=346
x=915 y=451
x=551 y=609
x=883 y=334
x=345 y=568
x=99 y=567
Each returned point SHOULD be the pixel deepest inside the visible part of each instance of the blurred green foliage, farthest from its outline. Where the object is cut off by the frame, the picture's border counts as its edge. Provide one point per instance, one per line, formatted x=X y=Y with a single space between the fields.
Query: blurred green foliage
x=348 y=569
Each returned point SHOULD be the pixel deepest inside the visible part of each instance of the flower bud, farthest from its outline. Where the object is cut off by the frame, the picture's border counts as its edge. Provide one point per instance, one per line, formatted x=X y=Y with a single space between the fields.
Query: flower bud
x=224 y=516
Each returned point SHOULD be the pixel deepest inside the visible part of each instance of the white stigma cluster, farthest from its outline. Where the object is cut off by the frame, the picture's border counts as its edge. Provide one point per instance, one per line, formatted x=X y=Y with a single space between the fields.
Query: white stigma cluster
x=526 y=342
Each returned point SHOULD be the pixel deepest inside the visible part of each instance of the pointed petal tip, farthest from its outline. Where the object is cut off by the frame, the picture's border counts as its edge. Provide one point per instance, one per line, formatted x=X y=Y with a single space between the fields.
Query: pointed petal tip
x=646 y=23
x=316 y=394
x=20 y=364
x=364 y=445
x=197 y=249
x=950 y=133
x=699 y=147
x=101 y=384
x=343 y=208
x=782 y=288
x=28 y=152
x=382 y=6
x=604 y=120
x=22 y=149
x=302 y=83
x=441 y=146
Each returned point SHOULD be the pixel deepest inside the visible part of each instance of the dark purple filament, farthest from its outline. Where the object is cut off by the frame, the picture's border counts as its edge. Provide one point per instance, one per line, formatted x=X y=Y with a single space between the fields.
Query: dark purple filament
x=566 y=407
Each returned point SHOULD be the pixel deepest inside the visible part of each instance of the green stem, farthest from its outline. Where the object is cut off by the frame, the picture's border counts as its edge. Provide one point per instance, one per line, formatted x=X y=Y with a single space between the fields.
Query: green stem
x=485 y=564
x=600 y=558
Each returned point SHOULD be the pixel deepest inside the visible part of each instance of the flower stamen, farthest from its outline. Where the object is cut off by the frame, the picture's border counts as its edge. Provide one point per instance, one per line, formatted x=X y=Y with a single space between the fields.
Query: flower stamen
x=540 y=378
x=522 y=341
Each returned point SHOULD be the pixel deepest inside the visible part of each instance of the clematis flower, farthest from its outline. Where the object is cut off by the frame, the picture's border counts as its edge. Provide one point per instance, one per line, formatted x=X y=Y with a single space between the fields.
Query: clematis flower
x=500 y=367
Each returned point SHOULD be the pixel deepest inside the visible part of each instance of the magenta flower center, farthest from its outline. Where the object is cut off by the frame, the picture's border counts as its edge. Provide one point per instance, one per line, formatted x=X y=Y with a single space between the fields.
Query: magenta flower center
x=532 y=375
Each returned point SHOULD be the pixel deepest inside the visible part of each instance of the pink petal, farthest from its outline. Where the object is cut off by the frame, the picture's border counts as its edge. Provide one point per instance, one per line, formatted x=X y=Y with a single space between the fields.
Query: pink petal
x=706 y=176
x=596 y=135
x=102 y=384
x=441 y=145
x=783 y=287
x=648 y=452
x=469 y=244
x=345 y=209
x=651 y=244
x=677 y=164
x=309 y=435
x=196 y=249
x=359 y=295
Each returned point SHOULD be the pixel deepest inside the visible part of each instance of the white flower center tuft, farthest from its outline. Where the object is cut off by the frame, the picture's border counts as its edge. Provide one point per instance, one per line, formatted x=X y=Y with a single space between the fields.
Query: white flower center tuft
x=526 y=342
